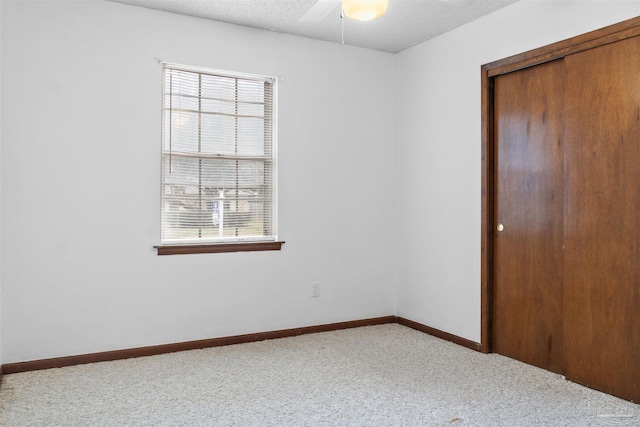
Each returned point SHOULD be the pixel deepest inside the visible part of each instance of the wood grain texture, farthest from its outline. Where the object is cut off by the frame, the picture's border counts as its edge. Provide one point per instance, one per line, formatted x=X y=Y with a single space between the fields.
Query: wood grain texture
x=602 y=225
x=59 y=362
x=575 y=45
x=487 y=218
x=590 y=40
x=529 y=134
x=218 y=248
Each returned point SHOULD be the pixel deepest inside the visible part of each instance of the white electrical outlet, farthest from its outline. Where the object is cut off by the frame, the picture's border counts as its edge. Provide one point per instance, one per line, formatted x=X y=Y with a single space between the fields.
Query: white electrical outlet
x=315 y=290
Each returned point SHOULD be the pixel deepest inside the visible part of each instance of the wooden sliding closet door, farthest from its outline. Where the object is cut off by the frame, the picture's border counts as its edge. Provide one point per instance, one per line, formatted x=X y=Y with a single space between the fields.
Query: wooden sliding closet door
x=529 y=132
x=601 y=326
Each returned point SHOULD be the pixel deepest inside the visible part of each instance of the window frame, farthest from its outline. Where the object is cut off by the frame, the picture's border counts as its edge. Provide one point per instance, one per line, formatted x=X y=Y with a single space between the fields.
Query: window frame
x=238 y=244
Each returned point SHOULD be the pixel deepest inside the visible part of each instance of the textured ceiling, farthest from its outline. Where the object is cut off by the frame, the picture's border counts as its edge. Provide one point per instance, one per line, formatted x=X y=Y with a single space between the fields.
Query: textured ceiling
x=406 y=23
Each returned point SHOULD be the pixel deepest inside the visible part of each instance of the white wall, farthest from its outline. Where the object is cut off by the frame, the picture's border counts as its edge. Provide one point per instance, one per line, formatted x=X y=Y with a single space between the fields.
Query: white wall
x=437 y=157
x=80 y=174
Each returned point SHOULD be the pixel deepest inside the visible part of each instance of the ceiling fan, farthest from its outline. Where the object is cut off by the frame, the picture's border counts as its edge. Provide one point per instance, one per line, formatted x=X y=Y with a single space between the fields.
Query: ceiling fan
x=360 y=10
x=371 y=8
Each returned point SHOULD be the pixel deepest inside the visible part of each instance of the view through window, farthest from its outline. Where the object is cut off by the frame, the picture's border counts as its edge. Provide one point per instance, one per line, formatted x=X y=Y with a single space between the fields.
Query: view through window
x=218 y=163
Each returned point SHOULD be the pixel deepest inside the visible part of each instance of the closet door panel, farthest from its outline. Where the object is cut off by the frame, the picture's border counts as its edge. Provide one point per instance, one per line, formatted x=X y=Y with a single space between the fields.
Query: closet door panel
x=527 y=311
x=601 y=302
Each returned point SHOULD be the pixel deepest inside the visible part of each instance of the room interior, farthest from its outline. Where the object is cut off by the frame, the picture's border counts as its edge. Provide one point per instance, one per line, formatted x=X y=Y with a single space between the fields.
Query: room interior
x=379 y=176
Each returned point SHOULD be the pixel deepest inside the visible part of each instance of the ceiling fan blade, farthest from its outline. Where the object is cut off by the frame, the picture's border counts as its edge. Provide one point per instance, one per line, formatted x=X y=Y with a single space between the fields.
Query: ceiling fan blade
x=319 y=10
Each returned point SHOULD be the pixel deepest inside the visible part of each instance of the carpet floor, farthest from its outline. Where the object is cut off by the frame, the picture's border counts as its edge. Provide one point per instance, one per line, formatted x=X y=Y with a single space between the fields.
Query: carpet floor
x=386 y=375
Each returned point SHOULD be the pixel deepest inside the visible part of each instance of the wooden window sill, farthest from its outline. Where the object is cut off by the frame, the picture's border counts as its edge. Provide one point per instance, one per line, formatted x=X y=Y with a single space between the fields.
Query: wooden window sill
x=212 y=248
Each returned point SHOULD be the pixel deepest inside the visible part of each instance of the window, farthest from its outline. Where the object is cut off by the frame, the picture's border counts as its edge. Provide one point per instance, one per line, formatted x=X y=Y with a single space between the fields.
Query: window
x=218 y=161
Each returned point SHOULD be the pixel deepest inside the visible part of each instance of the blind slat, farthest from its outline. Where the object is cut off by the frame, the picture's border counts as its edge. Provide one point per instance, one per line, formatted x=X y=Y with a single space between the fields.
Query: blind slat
x=217 y=157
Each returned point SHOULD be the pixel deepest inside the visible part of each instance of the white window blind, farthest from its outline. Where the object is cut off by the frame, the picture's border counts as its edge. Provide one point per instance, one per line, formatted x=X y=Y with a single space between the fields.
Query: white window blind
x=218 y=163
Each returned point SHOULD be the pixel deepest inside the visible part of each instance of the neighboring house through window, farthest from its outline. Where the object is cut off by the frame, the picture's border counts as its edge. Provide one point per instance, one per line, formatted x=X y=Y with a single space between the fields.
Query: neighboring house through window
x=218 y=160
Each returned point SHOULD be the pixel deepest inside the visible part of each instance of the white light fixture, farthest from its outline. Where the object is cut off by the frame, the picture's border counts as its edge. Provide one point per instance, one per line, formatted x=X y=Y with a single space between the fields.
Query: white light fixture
x=364 y=10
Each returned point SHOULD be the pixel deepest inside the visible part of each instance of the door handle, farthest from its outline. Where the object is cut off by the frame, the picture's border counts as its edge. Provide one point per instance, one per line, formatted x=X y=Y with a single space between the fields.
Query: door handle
x=500 y=227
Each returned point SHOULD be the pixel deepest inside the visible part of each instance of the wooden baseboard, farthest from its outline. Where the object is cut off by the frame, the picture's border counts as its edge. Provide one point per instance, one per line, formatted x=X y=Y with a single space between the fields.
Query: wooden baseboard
x=106 y=356
x=59 y=362
x=439 y=334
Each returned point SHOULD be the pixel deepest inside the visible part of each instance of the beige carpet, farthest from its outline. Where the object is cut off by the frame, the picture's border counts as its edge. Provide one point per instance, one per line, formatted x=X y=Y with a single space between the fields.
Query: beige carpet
x=386 y=375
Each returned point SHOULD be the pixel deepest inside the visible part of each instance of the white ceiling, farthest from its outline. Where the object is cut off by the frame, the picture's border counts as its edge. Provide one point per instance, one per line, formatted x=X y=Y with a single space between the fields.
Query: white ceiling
x=406 y=23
